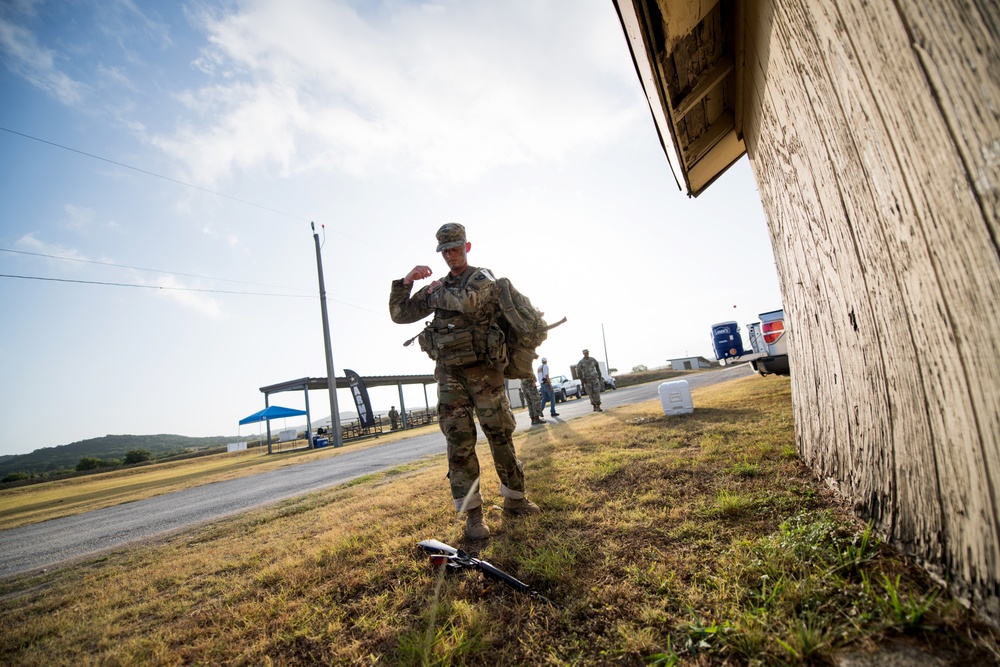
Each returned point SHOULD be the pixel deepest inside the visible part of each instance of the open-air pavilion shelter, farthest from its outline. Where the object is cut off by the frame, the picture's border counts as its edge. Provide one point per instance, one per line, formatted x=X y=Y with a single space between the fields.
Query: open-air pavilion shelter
x=306 y=384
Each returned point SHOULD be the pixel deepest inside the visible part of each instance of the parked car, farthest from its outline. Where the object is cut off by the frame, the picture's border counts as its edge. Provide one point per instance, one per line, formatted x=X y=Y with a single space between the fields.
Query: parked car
x=609 y=381
x=564 y=387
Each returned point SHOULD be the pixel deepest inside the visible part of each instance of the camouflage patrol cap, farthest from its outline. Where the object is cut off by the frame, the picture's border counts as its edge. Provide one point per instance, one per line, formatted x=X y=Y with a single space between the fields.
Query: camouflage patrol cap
x=451 y=235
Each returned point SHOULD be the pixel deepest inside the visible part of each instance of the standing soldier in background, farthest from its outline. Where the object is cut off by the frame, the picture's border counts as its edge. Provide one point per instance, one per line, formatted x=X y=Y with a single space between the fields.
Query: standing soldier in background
x=548 y=395
x=590 y=372
x=531 y=397
x=471 y=355
x=394 y=417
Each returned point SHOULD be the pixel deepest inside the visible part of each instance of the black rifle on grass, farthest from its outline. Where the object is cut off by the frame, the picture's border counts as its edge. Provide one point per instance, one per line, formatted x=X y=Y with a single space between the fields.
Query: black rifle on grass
x=456 y=559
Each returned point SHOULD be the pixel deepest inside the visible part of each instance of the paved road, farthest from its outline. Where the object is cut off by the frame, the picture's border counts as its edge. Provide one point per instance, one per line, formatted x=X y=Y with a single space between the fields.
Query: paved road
x=56 y=542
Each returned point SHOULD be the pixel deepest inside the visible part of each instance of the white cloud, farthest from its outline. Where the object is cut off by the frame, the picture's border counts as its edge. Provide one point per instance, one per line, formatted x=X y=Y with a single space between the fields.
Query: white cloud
x=431 y=91
x=25 y=57
x=114 y=77
x=199 y=302
x=30 y=243
x=79 y=218
x=237 y=244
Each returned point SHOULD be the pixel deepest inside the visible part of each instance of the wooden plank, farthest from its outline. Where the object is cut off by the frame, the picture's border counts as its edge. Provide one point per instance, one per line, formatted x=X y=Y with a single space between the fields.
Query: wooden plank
x=722 y=156
x=888 y=266
x=739 y=39
x=890 y=444
x=705 y=84
x=818 y=258
x=966 y=84
x=709 y=138
x=681 y=55
x=940 y=209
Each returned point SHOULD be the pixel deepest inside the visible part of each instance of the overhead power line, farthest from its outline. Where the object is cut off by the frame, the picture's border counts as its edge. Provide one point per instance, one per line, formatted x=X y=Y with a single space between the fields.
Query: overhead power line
x=177 y=181
x=163 y=287
x=140 y=268
x=154 y=174
x=185 y=289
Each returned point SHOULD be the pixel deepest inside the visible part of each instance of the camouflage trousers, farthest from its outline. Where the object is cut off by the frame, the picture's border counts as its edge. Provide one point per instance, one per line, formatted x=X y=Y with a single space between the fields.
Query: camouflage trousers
x=532 y=397
x=593 y=389
x=461 y=391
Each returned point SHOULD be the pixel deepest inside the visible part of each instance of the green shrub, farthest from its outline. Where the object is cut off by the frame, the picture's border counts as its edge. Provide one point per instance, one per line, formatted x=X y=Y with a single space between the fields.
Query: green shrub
x=138 y=455
x=93 y=463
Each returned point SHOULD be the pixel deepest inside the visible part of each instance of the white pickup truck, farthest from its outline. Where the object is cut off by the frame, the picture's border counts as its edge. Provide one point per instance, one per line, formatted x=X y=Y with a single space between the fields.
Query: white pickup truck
x=768 y=351
x=768 y=339
x=563 y=387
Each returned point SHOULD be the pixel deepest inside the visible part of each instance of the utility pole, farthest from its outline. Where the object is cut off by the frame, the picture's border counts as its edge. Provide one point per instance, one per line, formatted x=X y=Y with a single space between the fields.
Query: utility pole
x=331 y=380
x=607 y=362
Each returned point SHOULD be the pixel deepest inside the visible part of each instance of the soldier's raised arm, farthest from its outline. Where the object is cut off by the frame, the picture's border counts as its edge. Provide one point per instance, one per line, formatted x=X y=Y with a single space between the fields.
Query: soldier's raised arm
x=419 y=272
x=404 y=308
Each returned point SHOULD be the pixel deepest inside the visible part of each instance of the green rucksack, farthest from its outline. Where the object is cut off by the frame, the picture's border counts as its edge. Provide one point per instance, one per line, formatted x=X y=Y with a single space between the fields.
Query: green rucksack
x=524 y=330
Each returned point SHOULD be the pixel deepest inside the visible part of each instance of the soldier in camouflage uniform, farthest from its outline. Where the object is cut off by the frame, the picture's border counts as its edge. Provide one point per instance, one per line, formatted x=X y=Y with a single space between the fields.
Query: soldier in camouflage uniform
x=468 y=346
x=590 y=372
x=532 y=398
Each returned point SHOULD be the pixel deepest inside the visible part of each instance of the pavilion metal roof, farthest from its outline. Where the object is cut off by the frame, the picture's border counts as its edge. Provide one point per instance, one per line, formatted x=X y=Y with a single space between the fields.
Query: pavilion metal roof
x=370 y=381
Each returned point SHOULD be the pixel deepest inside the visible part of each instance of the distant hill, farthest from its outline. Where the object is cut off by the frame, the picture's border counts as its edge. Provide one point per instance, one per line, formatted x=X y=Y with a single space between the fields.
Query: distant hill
x=48 y=459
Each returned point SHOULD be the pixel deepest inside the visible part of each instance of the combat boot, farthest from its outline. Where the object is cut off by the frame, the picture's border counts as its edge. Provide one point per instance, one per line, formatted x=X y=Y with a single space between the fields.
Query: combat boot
x=521 y=506
x=475 y=527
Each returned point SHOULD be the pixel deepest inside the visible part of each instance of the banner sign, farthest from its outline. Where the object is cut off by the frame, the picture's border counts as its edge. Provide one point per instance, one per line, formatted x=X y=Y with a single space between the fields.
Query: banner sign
x=365 y=416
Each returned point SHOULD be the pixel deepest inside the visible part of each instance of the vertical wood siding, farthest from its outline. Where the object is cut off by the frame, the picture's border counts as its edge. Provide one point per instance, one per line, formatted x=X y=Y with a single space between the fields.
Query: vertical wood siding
x=873 y=129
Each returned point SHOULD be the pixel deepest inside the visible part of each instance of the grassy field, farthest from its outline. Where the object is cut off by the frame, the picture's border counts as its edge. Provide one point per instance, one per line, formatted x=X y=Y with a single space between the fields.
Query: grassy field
x=50 y=500
x=695 y=540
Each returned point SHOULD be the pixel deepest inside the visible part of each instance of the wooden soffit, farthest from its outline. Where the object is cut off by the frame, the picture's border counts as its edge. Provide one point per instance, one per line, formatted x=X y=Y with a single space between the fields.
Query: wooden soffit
x=686 y=54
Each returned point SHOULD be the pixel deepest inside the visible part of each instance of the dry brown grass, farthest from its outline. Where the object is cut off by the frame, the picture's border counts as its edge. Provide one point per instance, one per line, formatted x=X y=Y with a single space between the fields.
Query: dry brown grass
x=697 y=539
x=33 y=503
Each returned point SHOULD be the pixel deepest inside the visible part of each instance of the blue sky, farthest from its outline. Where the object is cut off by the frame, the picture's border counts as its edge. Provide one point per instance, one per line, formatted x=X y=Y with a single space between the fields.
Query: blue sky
x=181 y=150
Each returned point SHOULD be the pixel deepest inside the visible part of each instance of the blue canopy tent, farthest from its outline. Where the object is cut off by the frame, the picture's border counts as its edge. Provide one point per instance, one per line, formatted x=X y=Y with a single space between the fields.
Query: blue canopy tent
x=269 y=413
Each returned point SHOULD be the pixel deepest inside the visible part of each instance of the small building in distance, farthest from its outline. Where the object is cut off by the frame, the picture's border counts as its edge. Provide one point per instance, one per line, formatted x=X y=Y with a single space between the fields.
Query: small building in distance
x=689 y=363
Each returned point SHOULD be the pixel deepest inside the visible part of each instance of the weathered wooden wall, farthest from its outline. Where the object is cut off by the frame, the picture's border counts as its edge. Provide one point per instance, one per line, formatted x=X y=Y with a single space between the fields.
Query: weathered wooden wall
x=873 y=129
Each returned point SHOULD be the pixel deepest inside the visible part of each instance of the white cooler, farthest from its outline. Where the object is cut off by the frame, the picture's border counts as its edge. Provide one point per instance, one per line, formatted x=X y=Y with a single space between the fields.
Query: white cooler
x=675 y=397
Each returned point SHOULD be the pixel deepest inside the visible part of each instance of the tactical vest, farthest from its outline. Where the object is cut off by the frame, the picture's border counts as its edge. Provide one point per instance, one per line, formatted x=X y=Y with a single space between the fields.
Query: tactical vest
x=455 y=340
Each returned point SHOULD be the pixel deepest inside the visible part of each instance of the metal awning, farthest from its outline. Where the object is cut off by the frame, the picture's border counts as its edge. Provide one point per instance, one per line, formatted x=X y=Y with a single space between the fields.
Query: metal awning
x=306 y=384
x=370 y=381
